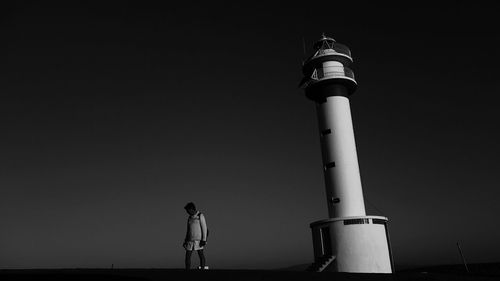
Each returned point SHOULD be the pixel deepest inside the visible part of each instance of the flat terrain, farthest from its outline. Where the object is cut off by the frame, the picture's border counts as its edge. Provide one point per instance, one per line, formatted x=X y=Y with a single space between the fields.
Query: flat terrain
x=222 y=275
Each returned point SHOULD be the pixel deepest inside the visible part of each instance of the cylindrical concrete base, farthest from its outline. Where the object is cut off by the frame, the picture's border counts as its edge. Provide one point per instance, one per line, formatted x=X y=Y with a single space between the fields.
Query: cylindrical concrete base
x=359 y=244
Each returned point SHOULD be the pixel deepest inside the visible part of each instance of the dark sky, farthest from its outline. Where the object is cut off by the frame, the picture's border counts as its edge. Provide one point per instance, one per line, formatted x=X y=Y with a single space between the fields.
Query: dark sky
x=113 y=116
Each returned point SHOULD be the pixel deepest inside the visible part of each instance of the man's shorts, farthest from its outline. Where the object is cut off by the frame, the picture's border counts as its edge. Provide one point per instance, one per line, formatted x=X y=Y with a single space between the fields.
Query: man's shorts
x=193 y=245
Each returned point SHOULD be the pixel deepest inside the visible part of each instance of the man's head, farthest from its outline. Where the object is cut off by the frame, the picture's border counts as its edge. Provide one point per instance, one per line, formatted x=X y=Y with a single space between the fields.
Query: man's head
x=190 y=208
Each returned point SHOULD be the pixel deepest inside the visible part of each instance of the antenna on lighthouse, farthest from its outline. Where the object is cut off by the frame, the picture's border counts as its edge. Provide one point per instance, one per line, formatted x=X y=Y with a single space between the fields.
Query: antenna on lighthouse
x=304 y=45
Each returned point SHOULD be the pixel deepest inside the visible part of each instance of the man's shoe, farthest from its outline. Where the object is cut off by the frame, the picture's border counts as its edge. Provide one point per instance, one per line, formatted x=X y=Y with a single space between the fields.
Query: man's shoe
x=205 y=268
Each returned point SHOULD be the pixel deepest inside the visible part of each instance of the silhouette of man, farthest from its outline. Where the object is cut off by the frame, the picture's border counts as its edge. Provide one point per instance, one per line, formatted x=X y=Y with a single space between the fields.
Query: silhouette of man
x=196 y=235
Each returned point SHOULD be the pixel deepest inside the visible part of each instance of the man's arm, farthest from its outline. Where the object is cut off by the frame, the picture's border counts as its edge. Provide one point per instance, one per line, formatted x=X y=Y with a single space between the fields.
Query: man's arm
x=187 y=233
x=203 y=224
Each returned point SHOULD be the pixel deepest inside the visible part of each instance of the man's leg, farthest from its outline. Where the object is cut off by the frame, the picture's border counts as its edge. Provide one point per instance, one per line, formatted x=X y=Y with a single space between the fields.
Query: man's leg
x=202 y=258
x=187 y=261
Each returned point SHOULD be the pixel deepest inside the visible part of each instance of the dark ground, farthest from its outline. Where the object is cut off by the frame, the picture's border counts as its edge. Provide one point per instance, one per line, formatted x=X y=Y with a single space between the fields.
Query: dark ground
x=448 y=272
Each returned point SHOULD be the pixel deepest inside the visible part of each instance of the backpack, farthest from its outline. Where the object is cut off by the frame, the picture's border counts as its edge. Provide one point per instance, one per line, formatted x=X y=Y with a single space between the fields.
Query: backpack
x=199 y=217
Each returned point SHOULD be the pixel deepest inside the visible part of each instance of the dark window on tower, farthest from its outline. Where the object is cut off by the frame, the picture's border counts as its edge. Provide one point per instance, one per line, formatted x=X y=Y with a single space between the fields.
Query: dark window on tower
x=330 y=165
x=326 y=132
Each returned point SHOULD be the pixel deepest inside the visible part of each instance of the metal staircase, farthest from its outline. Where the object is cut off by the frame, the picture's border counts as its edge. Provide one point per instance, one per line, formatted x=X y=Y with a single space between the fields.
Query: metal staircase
x=321 y=264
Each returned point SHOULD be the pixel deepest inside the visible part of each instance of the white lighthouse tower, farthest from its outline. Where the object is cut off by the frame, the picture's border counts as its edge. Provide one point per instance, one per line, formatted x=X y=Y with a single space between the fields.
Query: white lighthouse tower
x=349 y=240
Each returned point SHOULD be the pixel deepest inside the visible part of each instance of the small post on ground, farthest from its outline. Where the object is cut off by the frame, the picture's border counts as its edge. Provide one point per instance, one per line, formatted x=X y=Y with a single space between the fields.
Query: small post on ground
x=463 y=258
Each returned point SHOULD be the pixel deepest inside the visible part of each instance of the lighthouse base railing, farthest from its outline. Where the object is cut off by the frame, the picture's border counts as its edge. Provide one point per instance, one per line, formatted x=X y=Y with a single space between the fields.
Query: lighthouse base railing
x=359 y=244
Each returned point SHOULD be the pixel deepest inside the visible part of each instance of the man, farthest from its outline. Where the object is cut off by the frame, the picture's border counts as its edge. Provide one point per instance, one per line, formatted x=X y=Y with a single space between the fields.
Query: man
x=196 y=235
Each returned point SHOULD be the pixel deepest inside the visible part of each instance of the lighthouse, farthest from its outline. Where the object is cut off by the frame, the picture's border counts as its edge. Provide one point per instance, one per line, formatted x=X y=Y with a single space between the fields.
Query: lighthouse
x=349 y=240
